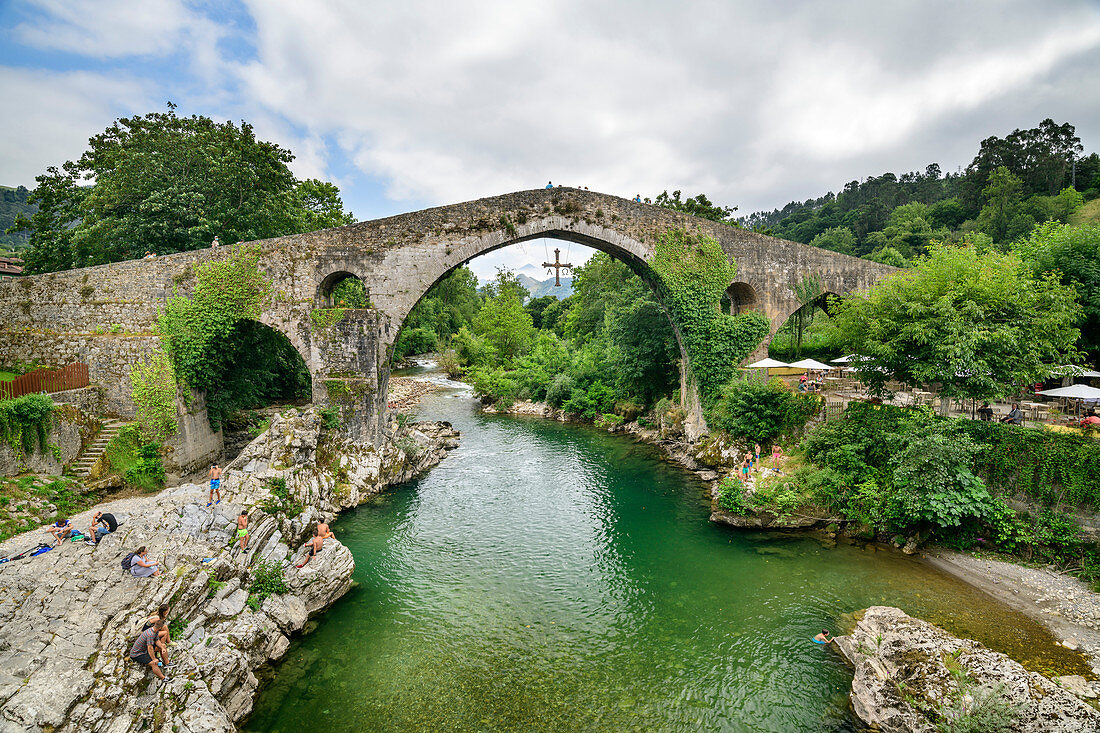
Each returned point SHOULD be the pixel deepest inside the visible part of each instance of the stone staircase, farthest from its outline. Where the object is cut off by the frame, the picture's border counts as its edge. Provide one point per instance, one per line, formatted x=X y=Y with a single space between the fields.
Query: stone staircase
x=82 y=466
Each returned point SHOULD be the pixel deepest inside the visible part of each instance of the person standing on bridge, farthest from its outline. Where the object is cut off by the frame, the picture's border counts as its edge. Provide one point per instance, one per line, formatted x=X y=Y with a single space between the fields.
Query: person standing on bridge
x=549 y=184
x=638 y=198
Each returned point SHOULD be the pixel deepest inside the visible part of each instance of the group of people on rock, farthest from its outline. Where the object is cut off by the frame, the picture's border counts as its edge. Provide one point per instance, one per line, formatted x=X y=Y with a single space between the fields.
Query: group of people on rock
x=103 y=523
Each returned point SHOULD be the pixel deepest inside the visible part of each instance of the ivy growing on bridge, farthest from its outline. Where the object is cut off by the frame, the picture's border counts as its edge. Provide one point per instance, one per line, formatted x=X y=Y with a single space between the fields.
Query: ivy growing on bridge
x=692 y=274
x=195 y=332
x=154 y=393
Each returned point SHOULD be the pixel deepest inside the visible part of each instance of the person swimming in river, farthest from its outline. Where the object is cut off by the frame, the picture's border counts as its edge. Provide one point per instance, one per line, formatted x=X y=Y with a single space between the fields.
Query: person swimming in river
x=823 y=637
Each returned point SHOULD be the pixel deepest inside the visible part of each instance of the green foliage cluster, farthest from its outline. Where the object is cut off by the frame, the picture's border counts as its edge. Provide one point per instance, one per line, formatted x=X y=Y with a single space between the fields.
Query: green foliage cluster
x=753 y=411
x=136 y=460
x=607 y=349
x=1072 y=254
x=693 y=273
x=977 y=324
x=330 y=418
x=154 y=393
x=910 y=472
x=267 y=580
x=731 y=497
x=163 y=183
x=445 y=309
x=25 y=423
x=13 y=203
x=1012 y=184
x=280 y=500
x=350 y=293
x=216 y=346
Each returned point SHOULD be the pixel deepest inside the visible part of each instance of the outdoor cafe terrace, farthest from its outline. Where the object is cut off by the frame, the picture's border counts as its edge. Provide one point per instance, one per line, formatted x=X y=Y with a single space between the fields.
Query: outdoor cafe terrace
x=839 y=384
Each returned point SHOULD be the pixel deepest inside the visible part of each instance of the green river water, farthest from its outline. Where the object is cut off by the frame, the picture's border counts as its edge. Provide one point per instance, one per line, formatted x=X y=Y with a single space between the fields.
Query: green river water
x=550 y=577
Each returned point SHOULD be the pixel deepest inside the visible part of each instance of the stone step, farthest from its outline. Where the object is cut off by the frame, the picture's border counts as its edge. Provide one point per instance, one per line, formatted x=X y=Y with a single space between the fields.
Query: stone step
x=84 y=463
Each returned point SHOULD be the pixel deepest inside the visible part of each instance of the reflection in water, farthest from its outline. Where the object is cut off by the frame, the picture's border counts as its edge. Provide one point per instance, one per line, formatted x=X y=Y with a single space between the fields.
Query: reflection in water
x=553 y=577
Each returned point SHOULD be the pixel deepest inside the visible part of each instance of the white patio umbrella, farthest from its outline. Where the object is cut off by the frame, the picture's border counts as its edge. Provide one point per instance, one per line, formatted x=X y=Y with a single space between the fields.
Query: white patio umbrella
x=767 y=364
x=1074 y=391
x=817 y=366
x=1079 y=392
x=845 y=359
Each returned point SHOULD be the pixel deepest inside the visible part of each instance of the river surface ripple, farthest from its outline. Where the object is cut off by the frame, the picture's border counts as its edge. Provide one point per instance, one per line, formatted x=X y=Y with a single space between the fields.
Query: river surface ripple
x=550 y=577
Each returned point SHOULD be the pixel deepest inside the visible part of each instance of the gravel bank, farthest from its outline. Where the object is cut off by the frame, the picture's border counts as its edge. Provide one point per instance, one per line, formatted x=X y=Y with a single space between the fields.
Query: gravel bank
x=1060 y=602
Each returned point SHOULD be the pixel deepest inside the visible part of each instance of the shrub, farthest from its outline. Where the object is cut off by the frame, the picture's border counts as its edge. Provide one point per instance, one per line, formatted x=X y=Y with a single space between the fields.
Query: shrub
x=559 y=390
x=416 y=341
x=330 y=418
x=267 y=580
x=449 y=363
x=137 y=462
x=25 y=422
x=731 y=496
x=280 y=499
x=752 y=411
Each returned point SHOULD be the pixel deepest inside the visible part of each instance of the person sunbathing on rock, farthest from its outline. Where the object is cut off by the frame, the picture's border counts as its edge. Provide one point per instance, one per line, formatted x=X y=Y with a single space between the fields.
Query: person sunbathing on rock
x=144 y=649
x=315 y=544
x=823 y=637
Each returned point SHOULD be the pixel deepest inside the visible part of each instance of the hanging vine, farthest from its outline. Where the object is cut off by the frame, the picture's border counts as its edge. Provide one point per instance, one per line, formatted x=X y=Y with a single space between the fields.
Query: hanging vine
x=692 y=274
x=25 y=423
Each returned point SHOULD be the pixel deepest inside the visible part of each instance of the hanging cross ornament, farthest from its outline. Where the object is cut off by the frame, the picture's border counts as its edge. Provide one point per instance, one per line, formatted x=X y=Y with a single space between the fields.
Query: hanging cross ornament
x=557 y=266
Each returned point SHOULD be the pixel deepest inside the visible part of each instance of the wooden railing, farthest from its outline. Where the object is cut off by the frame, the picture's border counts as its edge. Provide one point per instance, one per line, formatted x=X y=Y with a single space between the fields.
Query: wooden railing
x=73 y=376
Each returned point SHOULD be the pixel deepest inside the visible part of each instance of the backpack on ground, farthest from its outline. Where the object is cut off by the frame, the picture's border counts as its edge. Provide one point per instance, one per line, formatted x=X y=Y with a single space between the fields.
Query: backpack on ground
x=127 y=560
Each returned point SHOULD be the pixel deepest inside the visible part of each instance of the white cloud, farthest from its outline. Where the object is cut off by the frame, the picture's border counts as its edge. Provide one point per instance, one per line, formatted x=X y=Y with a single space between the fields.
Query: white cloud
x=105 y=28
x=57 y=113
x=752 y=103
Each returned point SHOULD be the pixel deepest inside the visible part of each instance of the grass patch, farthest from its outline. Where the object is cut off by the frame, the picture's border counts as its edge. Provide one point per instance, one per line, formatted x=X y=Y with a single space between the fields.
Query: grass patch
x=138 y=462
x=1087 y=214
x=7 y=376
x=24 y=500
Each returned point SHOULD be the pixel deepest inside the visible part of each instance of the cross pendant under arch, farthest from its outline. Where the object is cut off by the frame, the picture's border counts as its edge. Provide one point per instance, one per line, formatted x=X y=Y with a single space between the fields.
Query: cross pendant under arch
x=557 y=264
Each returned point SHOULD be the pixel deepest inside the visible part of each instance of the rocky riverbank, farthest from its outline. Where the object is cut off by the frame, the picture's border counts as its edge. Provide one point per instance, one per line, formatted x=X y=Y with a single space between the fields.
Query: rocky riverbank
x=913 y=677
x=69 y=616
x=405 y=392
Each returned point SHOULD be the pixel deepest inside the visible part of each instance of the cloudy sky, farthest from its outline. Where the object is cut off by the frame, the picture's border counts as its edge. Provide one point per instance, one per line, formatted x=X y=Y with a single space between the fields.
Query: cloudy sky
x=413 y=104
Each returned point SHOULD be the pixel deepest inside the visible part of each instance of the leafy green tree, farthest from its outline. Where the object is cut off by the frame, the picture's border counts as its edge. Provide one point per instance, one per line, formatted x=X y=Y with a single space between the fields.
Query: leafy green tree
x=1002 y=217
x=972 y=324
x=1072 y=254
x=698 y=205
x=837 y=239
x=448 y=306
x=888 y=256
x=502 y=320
x=537 y=306
x=162 y=183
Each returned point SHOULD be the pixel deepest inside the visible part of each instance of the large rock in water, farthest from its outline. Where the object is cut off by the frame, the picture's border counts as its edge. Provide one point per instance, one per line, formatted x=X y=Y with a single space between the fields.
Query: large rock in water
x=69 y=617
x=912 y=677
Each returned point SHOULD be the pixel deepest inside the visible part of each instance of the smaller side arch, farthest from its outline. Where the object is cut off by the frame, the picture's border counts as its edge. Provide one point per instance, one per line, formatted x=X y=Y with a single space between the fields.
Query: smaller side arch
x=324 y=297
x=741 y=298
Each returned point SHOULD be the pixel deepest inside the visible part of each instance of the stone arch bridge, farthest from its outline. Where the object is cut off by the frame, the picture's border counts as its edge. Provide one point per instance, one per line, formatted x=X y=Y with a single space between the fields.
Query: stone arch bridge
x=104 y=316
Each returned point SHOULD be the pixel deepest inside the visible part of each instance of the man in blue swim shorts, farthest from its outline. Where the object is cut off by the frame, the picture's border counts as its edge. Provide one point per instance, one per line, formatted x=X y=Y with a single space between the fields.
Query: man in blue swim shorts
x=823 y=637
x=215 y=485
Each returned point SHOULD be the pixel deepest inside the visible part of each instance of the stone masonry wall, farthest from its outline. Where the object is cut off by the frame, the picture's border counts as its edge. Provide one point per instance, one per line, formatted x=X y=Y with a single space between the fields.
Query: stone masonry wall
x=105 y=315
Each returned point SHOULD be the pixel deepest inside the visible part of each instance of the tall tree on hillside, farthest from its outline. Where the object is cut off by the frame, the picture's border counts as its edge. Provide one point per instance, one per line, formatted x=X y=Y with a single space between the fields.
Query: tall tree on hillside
x=163 y=183
x=1001 y=217
x=972 y=324
x=1042 y=157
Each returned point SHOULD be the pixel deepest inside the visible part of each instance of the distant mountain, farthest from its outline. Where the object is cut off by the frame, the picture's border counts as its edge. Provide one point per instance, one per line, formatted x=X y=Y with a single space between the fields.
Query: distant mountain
x=539 y=288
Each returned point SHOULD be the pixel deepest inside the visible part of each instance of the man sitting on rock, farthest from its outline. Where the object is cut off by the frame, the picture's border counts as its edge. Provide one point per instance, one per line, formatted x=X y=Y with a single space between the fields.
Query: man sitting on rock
x=102 y=524
x=316 y=543
x=61 y=529
x=144 y=649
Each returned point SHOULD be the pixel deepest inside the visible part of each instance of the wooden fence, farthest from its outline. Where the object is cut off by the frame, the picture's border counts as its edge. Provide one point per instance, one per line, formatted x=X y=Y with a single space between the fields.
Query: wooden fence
x=73 y=376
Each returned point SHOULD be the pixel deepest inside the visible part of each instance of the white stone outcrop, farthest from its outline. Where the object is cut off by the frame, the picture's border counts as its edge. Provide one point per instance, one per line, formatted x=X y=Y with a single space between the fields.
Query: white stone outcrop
x=69 y=616
x=910 y=676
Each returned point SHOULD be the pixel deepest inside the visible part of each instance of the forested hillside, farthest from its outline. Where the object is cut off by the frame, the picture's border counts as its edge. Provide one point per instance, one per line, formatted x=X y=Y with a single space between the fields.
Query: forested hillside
x=13 y=202
x=1013 y=183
